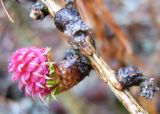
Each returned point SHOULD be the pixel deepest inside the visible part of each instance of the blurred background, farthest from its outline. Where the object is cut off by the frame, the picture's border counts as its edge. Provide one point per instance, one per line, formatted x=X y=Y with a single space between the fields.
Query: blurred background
x=127 y=32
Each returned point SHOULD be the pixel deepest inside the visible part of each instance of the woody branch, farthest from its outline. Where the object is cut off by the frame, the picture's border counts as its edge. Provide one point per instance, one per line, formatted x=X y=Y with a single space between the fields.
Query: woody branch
x=78 y=35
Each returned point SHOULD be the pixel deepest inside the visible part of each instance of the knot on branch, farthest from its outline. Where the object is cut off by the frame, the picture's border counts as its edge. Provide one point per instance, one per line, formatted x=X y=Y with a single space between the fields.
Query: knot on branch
x=69 y=21
x=74 y=57
x=132 y=76
x=38 y=11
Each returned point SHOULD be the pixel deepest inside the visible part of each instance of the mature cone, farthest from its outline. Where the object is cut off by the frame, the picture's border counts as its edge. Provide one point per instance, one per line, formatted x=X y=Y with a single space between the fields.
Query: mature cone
x=34 y=69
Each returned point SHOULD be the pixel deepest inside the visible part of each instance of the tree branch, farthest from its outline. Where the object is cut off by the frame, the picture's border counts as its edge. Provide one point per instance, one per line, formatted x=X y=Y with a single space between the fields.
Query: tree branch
x=103 y=70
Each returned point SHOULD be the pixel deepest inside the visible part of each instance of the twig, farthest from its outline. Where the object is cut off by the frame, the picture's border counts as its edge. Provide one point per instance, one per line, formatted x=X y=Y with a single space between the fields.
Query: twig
x=103 y=70
x=10 y=18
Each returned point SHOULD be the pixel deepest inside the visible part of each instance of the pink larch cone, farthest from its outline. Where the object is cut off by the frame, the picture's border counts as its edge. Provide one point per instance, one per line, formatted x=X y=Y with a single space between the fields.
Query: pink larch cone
x=28 y=66
x=34 y=69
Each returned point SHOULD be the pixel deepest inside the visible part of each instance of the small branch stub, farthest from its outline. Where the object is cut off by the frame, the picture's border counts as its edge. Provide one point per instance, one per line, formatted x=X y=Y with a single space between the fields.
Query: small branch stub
x=38 y=11
x=132 y=76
